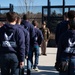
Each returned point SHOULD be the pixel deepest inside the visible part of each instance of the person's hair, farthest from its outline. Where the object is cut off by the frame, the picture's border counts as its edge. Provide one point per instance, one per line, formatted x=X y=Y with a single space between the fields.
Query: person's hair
x=11 y=16
x=25 y=16
x=34 y=22
x=72 y=24
x=71 y=14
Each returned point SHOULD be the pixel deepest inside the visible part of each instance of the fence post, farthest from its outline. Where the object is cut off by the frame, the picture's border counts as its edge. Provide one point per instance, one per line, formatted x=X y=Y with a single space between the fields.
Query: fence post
x=11 y=8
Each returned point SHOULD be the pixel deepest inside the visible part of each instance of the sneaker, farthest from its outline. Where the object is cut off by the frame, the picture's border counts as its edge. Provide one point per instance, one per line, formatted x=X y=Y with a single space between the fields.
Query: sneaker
x=36 y=69
x=45 y=54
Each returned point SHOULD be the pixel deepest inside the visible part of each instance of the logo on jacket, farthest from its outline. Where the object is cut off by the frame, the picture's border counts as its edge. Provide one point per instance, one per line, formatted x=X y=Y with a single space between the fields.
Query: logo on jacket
x=8 y=37
x=7 y=42
x=71 y=48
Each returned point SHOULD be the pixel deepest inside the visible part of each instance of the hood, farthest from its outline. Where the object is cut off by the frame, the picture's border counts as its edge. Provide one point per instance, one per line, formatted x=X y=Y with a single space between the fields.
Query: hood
x=9 y=26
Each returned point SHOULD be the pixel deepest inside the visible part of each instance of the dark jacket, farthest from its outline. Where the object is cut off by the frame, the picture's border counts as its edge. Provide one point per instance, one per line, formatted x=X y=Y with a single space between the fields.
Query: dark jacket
x=39 y=36
x=12 y=40
x=27 y=39
x=27 y=25
x=61 y=28
x=65 y=41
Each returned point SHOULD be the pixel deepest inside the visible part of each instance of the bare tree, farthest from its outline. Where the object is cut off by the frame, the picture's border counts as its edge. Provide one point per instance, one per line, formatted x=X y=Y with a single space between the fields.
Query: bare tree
x=27 y=4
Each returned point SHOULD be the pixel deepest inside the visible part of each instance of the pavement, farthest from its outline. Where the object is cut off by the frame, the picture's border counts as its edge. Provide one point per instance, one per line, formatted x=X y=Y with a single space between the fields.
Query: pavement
x=46 y=63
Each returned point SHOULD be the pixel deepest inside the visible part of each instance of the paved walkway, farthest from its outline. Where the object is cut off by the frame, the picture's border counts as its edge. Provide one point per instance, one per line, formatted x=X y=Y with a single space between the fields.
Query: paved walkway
x=46 y=63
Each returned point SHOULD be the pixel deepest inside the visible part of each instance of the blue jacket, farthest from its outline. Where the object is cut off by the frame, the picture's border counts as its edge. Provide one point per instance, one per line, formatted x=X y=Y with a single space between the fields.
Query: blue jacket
x=65 y=41
x=61 y=28
x=39 y=36
x=12 y=40
x=27 y=39
x=27 y=25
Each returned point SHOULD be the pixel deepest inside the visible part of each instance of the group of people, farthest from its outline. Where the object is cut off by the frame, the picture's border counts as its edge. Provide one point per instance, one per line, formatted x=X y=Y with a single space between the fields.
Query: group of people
x=65 y=41
x=20 y=40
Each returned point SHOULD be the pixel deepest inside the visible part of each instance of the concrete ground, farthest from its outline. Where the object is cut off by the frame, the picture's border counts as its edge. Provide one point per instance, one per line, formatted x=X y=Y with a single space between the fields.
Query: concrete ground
x=46 y=63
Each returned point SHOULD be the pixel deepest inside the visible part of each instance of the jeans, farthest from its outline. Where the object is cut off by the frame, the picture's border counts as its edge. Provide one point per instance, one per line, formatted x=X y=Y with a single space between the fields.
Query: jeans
x=9 y=64
x=29 y=61
x=36 y=51
x=30 y=58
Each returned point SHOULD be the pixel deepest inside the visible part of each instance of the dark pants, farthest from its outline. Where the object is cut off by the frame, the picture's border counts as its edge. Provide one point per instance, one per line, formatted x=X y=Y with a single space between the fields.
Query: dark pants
x=43 y=47
x=71 y=70
x=9 y=64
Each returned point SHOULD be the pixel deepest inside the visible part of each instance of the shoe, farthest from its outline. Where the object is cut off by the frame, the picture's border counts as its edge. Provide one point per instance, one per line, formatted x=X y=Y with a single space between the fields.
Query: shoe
x=44 y=54
x=36 y=69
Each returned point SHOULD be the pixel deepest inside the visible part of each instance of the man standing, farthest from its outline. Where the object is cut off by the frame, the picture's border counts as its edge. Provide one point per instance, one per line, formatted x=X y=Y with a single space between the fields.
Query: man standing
x=61 y=27
x=46 y=35
x=66 y=48
x=27 y=25
x=38 y=38
x=26 y=33
x=12 y=46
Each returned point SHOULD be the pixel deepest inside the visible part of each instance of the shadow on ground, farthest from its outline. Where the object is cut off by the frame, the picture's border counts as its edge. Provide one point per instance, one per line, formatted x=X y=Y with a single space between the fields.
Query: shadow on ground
x=45 y=70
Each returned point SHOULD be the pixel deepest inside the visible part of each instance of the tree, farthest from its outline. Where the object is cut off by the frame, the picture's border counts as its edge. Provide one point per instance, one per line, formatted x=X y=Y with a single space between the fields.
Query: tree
x=28 y=3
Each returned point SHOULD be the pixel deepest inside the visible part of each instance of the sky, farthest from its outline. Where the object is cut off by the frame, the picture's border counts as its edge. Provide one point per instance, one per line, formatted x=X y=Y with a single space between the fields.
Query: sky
x=35 y=2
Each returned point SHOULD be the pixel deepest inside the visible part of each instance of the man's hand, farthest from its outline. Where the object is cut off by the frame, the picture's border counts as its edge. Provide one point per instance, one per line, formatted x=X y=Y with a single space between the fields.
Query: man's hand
x=21 y=64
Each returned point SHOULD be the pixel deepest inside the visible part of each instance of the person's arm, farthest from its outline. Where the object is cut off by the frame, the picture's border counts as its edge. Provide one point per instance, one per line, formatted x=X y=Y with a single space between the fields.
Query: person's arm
x=40 y=37
x=32 y=35
x=59 y=49
x=27 y=42
x=21 y=46
x=57 y=33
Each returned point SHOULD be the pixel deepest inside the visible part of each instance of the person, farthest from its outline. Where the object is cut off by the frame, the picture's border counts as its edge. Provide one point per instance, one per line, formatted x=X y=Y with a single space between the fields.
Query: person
x=39 y=38
x=27 y=25
x=12 y=46
x=26 y=33
x=46 y=35
x=27 y=40
x=66 y=48
x=61 y=27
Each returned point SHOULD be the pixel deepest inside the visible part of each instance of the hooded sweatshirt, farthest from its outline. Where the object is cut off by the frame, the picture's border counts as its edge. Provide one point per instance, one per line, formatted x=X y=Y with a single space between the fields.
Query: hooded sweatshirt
x=12 y=41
